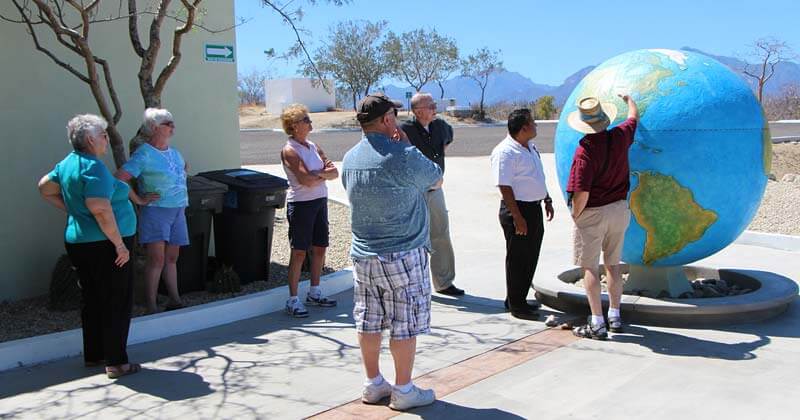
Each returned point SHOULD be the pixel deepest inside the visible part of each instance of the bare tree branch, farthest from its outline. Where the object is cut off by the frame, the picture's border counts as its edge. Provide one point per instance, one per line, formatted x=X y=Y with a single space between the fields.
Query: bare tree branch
x=133 y=29
x=44 y=50
x=112 y=92
x=288 y=19
x=166 y=72
x=769 y=52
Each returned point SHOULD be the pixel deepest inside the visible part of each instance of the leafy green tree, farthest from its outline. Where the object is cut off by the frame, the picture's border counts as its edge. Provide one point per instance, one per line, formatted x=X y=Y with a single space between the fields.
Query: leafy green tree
x=545 y=107
x=419 y=56
x=353 y=56
x=478 y=67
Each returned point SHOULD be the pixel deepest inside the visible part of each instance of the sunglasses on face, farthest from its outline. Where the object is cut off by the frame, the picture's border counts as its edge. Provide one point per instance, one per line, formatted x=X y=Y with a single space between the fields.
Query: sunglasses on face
x=431 y=107
x=306 y=120
x=169 y=124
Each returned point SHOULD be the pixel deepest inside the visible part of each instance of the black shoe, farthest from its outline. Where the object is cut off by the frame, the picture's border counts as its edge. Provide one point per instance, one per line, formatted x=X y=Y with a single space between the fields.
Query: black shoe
x=532 y=305
x=525 y=314
x=451 y=291
x=598 y=332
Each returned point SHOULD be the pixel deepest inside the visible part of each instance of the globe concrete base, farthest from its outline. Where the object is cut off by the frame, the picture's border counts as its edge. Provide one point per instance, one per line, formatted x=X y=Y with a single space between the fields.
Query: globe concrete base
x=771 y=295
x=657 y=280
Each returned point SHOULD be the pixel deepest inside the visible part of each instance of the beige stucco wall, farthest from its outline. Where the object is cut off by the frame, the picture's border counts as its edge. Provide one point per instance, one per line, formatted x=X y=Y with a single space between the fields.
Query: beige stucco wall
x=37 y=98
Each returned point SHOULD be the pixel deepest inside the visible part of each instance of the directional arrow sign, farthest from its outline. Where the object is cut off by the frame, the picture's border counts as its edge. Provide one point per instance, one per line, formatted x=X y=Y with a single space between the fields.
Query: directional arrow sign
x=219 y=53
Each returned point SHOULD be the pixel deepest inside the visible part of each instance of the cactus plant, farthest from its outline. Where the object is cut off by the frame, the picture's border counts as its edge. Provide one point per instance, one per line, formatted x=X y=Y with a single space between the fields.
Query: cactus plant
x=65 y=290
x=225 y=280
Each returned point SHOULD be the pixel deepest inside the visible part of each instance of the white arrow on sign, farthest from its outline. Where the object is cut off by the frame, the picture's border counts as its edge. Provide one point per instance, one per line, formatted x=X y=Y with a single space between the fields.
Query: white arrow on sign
x=221 y=52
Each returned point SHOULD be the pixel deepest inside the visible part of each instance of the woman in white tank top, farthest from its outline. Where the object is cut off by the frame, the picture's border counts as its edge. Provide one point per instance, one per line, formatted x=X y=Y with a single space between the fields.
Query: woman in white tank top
x=307 y=169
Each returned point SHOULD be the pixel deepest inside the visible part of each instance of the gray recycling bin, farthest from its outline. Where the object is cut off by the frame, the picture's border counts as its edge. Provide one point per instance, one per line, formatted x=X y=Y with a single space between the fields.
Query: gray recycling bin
x=206 y=198
x=243 y=230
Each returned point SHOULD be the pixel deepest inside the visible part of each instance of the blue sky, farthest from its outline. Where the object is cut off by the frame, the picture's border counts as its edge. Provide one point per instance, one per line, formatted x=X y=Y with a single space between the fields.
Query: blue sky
x=545 y=41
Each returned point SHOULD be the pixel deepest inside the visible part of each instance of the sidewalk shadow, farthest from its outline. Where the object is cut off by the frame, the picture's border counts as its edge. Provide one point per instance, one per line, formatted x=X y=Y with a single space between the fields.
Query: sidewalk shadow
x=470 y=303
x=447 y=410
x=167 y=385
x=487 y=306
x=672 y=344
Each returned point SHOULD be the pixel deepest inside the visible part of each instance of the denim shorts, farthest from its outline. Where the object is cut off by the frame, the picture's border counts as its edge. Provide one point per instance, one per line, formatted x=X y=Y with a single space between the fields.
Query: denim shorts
x=308 y=223
x=166 y=224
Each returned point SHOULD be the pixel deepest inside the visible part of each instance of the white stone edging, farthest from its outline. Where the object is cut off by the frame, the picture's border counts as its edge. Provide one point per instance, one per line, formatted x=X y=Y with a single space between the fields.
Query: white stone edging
x=45 y=348
x=770 y=240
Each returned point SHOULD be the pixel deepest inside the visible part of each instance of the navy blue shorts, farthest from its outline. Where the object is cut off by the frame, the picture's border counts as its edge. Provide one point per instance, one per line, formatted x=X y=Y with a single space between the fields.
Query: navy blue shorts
x=308 y=223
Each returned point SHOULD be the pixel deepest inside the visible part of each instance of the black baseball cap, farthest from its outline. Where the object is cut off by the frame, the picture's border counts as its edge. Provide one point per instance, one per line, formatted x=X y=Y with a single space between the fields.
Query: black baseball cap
x=375 y=105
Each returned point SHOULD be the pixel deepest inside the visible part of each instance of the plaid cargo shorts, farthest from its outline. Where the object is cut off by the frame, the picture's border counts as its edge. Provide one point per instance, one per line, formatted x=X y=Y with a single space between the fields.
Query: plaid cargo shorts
x=393 y=292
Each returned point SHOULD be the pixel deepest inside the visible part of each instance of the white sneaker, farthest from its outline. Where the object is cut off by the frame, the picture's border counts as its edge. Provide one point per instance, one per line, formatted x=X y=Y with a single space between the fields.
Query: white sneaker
x=414 y=398
x=373 y=394
x=296 y=309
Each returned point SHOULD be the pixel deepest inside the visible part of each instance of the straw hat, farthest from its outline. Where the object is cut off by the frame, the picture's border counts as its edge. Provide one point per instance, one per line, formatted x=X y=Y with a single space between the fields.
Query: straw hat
x=592 y=116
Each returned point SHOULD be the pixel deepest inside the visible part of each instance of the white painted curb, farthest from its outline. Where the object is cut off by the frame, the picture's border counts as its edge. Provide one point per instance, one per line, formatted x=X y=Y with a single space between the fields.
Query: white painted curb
x=770 y=240
x=44 y=348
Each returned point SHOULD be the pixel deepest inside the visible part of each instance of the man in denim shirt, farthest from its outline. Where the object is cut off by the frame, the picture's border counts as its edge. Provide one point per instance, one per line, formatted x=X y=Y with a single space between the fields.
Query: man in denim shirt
x=386 y=180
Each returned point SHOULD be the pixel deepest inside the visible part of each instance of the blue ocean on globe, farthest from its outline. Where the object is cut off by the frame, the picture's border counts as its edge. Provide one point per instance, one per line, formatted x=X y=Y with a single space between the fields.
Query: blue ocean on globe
x=701 y=154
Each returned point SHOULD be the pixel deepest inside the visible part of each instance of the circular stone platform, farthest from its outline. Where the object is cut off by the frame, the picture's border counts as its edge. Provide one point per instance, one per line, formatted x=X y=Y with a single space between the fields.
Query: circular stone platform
x=771 y=295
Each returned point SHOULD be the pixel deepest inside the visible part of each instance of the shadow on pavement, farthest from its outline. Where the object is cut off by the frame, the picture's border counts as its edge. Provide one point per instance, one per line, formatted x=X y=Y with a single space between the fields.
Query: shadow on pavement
x=166 y=384
x=447 y=410
x=673 y=344
x=786 y=325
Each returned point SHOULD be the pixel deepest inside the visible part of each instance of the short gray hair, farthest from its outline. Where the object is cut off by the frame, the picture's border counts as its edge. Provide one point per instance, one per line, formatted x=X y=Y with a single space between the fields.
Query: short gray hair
x=153 y=117
x=80 y=127
x=421 y=96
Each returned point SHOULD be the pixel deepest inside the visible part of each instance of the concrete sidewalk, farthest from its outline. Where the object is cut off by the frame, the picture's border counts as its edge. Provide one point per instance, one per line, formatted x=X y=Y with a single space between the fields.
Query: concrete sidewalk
x=277 y=367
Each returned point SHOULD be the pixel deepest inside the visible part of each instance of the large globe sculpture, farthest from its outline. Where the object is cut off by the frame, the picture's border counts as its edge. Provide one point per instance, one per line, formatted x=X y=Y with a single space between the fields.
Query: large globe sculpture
x=700 y=158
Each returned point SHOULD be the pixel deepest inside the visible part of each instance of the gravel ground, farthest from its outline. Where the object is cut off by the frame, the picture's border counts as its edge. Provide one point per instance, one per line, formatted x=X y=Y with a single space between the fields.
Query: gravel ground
x=30 y=317
x=780 y=209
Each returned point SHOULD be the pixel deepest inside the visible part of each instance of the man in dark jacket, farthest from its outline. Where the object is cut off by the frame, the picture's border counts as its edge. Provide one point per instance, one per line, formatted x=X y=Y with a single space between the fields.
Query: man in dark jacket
x=431 y=136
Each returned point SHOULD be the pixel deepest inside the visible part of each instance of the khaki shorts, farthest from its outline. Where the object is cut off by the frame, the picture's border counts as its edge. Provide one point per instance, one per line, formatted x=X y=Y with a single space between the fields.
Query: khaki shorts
x=601 y=229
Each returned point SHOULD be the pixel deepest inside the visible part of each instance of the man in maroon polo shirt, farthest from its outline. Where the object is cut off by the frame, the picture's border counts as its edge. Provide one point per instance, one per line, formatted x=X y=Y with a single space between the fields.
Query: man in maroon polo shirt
x=598 y=185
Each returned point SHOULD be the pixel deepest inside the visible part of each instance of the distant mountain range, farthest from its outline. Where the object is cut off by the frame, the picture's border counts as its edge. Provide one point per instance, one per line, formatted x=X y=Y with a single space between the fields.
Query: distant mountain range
x=511 y=86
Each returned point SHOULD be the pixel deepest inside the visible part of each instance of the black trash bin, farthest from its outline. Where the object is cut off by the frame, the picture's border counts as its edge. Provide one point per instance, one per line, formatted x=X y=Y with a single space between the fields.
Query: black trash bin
x=243 y=230
x=205 y=199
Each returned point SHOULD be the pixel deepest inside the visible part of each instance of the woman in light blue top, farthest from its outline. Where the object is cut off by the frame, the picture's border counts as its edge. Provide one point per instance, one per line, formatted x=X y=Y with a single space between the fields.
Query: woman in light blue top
x=100 y=228
x=161 y=174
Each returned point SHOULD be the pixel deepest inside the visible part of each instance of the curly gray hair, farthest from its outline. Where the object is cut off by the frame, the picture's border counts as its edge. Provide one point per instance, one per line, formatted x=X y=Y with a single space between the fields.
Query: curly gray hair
x=80 y=127
x=152 y=118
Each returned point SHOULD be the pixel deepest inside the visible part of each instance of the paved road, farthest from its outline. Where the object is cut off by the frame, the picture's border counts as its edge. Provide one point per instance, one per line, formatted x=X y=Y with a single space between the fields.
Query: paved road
x=263 y=147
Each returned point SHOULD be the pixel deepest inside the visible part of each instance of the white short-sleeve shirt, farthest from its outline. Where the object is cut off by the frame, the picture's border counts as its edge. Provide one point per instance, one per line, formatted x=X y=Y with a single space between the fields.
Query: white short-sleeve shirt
x=520 y=168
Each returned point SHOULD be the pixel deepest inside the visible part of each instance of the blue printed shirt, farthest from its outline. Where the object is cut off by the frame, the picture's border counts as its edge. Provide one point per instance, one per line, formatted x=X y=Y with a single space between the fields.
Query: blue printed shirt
x=386 y=182
x=83 y=176
x=162 y=172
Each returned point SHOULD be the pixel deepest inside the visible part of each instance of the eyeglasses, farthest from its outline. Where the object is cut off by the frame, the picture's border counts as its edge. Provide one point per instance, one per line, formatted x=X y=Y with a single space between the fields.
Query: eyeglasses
x=169 y=124
x=431 y=107
x=306 y=120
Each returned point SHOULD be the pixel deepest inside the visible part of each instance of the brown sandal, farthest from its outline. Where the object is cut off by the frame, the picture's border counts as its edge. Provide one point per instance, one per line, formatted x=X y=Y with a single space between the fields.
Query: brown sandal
x=119 y=372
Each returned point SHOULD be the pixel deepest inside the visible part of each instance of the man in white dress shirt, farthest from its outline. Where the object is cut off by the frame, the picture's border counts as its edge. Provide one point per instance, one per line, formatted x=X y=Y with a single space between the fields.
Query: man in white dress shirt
x=518 y=173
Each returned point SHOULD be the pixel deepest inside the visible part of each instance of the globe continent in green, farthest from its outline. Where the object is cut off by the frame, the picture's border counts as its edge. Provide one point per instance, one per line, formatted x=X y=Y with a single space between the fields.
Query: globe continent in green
x=701 y=154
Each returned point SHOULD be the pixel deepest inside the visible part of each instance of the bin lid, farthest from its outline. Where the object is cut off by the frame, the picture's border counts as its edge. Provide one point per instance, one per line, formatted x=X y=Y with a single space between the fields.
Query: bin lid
x=202 y=185
x=239 y=179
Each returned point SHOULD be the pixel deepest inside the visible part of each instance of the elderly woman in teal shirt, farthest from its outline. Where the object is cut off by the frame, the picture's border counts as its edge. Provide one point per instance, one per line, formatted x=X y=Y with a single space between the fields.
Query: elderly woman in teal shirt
x=161 y=173
x=100 y=226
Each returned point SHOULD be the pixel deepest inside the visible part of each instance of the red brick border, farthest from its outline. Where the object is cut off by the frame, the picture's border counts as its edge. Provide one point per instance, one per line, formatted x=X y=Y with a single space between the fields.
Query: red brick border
x=458 y=376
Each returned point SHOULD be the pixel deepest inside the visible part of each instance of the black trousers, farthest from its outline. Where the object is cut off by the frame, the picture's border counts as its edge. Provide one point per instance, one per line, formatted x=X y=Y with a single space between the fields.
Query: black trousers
x=107 y=292
x=522 y=251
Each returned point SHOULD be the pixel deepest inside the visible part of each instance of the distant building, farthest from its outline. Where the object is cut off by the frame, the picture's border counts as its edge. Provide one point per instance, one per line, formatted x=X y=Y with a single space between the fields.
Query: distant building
x=280 y=93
